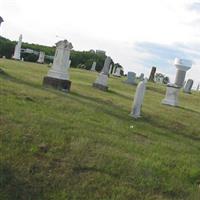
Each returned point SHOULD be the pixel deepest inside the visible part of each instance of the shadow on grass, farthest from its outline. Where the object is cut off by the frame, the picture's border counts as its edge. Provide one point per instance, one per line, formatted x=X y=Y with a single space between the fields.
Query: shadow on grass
x=175 y=128
x=188 y=109
x=120 y=95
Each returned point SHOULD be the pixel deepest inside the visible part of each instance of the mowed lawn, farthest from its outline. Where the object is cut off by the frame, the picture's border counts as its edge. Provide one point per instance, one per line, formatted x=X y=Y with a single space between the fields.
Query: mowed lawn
x=84 y=144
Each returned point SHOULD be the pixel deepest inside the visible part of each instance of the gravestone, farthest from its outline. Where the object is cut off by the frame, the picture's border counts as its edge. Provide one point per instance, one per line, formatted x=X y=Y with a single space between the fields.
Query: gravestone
x=110 y=69
x=131 y=78
x=22 y=59
x=1 y=20
x=172 y=92
x=188 y=86
x=70 y=63
x=93 y=68
x=114 y=69
x=102 y=80
x=41 y=57
x=117 y=72
x=17 y=52
x=138 y=99
x=152 y=74
x=141 y=77
x=198 y=87
x=58 y=75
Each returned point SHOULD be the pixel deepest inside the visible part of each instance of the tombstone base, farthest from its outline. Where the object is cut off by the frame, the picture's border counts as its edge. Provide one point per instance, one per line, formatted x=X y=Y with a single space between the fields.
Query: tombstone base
x=57 y=83
x=171 y=97
x=100 y=87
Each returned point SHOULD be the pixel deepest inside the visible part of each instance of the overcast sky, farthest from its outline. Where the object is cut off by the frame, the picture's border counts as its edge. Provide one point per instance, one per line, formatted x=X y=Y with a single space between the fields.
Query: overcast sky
x=136 y=33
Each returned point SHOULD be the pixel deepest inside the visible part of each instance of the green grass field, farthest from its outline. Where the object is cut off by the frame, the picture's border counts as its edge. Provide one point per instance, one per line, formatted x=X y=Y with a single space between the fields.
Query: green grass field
x=84 y=144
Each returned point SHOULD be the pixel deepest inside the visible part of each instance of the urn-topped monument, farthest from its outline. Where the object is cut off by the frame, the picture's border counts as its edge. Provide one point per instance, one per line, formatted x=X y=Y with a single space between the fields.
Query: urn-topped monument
x=58 y=75
x=171 y=97
x=17 y=52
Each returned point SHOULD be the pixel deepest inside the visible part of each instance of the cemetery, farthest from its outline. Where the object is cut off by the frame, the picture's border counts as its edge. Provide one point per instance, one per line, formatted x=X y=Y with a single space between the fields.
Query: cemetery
x=75 y=124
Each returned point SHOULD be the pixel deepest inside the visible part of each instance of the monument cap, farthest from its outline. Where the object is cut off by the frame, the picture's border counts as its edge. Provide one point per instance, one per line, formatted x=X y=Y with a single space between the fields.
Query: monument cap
x=182 y=64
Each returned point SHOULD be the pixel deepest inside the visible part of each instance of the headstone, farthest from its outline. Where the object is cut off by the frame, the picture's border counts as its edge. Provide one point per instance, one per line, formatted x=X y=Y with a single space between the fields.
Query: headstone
x=141 y=77
x=58 y=75
x=70 y=63
x=1 y=20
x=17 y=53
x=138 y=99
x=182 y=66
x=171 y=97
x=4 y=57
x=41 y=57
x=188 y=86
x=153 y=71
x=110 y=69
x=93 y=68
x=22 y=59
x=117 y=72
x=114 y=69
x=102 y=80
x=131 y=78
x=198 y=87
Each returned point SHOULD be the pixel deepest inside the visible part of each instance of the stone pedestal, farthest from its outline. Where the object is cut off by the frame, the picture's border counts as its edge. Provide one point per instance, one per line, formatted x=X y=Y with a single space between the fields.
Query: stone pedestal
x=182 y=66
x=188 y=86
x=171 y=97
x=138 y=99
x=58 y=75
x=101 y=82
x=17 y=52
x=131 y=78
x=57 y=83
x=41 y=57
x=152 y=74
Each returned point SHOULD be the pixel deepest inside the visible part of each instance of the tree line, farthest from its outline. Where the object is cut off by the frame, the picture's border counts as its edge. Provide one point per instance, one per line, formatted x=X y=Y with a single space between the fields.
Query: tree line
x=79 y=59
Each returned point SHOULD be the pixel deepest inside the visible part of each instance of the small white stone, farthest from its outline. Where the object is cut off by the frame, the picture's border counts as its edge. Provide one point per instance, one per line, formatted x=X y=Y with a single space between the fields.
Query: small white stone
x=17 y=52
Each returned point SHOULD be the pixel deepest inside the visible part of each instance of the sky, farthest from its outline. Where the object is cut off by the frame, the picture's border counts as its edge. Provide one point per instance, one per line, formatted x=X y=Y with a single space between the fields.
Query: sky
x=138 y=34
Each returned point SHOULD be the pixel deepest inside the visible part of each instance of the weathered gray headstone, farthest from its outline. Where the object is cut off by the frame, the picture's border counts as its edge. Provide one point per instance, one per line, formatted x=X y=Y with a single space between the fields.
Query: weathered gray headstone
x=1 y=20
x=152 y=74
x=131 y=78
x=110 y=69
x=58 y=75
x=198 y=87
x=17 y=52
x=102 y=80
x=188 y=86
x=93 y=68
x=41 y=57
x=138 y=99
x=141 y=77
x=117 y=72
x=114 y=69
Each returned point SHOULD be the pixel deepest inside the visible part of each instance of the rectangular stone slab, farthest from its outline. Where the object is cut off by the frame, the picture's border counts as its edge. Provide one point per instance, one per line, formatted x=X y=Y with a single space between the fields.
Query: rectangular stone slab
x=57 y=83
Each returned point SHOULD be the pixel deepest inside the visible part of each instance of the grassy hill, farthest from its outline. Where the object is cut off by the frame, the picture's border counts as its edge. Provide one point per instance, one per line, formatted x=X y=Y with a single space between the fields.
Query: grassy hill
x=84 y=144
